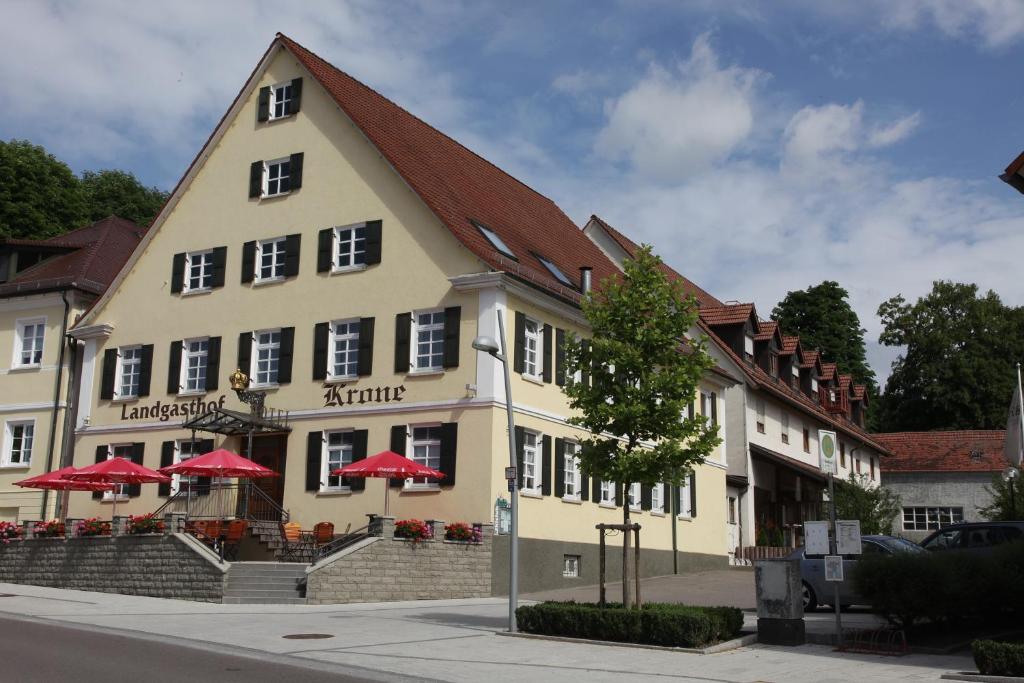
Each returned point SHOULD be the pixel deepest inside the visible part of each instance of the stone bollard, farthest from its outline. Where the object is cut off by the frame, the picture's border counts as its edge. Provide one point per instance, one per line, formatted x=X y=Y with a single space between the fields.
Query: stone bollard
x=28 y=529
x=437 y=529
x=174 y=522
x=69 y=527
x=486 y=532
x=119 y=526
x=381 y=526
x=780 y=605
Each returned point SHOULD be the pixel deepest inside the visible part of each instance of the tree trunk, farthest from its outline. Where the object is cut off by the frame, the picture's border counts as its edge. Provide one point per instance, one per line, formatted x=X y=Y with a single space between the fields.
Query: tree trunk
x=627 y=600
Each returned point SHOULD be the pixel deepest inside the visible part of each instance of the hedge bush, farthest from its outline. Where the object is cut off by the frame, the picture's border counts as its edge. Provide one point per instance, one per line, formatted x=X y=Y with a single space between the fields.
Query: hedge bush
x=655 y=624
x=998 y=659
x=943 y=587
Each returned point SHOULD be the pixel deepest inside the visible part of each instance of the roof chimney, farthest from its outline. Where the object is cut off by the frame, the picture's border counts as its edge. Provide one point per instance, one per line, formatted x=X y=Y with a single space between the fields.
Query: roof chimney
x=585 y=279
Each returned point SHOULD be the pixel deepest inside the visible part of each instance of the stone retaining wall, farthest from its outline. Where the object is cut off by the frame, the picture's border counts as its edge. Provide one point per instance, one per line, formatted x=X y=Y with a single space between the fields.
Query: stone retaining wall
x=159 y=566
x=383 y=568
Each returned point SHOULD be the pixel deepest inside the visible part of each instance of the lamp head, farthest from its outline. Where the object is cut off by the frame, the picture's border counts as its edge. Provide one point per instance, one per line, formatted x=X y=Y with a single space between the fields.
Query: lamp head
x=1010 y=473
x=239 y=380
x=487 y=344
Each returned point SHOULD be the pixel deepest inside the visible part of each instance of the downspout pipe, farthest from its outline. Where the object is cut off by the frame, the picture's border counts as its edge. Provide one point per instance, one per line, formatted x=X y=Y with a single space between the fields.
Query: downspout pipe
x=58 y=380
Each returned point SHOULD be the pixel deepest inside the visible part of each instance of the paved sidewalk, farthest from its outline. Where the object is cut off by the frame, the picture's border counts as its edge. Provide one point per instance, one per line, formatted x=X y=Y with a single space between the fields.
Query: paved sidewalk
x=447 y=640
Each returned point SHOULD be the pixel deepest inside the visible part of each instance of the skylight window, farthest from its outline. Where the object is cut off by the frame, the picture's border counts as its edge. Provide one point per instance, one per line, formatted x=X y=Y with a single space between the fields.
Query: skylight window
x=553 y=269
x=495 y=241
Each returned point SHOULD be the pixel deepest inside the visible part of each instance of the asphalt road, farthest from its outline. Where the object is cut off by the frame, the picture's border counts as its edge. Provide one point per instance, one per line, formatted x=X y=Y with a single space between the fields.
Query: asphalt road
x=33 y=652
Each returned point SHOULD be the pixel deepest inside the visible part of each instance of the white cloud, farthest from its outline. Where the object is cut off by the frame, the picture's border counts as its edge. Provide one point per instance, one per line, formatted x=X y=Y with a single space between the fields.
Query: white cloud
x=677 y=122
x=996 y=22
x=886 y=135
x=580 y=81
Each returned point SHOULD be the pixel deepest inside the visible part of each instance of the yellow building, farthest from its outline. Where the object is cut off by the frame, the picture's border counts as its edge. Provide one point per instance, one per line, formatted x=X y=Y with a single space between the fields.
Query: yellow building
x=45 y=285
x=343 y=254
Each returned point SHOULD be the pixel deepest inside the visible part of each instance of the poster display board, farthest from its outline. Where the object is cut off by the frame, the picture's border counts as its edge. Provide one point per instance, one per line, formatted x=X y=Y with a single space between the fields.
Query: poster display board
x=848 y=537
x=834 y=568
x=816 y=538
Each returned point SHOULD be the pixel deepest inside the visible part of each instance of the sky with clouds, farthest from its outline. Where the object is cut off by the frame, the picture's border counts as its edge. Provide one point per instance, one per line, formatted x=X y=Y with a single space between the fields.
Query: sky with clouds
x=761 y=147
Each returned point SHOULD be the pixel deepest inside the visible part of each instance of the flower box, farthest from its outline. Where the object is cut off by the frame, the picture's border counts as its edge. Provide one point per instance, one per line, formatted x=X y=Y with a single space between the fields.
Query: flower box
x=9 y=532
x=461 y=532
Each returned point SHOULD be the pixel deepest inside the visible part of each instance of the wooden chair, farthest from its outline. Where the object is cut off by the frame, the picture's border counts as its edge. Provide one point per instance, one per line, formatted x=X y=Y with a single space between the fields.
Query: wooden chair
x=323 y=533
x=233 y=537
x=208 y=532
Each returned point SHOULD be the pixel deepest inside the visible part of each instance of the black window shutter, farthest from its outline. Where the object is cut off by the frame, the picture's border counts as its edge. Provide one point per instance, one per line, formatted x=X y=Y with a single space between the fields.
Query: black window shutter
x=619 y=494
x=109 y=371
x=292 y=244
x=364 y=365
x=177 y=273
x=245 y=352
x=314 y=451
x=321 y=339
x=373 y=234
x=220 y=258
x=263 y=104
x=359 y=442
x=693 y=494
x=520 y=351
x=138 y=455
x=403 y=328
x=145 y=369
x=666 y=497
x=597 y=489
x=548 y=349
x=295 y=171
x=585 y=367
x=560 y=357
x=202 y=485
x=255 y=179
x=714 y=408
x=449 y=448
x=296 y=102
x=560 y=467
x=248 y=262
x=213 y=364
x=163 y=489
x=520 y=440
x=287 y=352
x=398 y=436
x=324 y=258
x=101 y=455
x=646 y=497
x=174 y=369
x=545 y=460
x=452 y=322
x=584 y=486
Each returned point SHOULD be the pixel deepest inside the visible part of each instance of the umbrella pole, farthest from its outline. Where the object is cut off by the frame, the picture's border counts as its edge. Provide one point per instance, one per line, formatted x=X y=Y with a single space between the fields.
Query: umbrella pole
x=386 y=487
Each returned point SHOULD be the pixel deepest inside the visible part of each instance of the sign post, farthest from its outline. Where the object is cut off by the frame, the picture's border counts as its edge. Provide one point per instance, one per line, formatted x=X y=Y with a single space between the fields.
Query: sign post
x=827 y=457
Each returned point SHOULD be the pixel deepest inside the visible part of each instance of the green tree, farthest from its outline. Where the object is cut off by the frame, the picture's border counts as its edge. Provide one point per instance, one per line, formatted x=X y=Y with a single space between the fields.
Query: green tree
x=641 y=378
x=875 y=506
x=822 y=317
x=112 y=192
x=39 y=195
x=957 y=370
x=1007 y=500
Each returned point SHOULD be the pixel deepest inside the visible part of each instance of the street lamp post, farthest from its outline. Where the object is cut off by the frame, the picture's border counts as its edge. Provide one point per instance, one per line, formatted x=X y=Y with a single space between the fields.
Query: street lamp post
x=498 y=350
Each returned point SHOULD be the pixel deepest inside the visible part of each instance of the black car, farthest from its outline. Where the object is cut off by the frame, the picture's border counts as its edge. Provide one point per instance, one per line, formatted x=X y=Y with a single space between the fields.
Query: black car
x=978 y=537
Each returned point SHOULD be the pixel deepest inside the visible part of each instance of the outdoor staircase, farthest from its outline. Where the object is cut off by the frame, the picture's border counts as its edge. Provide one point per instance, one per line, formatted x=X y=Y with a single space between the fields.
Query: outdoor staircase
x=266 y=583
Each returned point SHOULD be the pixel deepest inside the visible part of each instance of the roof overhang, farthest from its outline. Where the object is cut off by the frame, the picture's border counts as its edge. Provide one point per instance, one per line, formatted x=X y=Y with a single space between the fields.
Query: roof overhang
x=235 y=423
x=797 y=466
x=1013 y=174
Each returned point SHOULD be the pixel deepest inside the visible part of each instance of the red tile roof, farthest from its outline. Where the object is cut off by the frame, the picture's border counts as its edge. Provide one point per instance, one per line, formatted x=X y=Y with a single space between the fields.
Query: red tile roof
x=97 y=253
x=809 y=358
x=963 y=451
x=460 y=187
x=631 y=247
x=859 y=392
x=766 y=329
x=789 y=345
x=845 y=381
x=727 y=314
x=828 y=371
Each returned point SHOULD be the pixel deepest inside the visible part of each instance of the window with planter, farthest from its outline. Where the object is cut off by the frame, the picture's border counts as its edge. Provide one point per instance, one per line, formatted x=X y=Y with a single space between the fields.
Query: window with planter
x=28 y=345
x=18 y=439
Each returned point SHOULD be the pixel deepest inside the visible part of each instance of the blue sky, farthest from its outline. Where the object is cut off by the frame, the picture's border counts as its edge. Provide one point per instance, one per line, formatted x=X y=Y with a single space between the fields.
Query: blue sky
x=761 y=147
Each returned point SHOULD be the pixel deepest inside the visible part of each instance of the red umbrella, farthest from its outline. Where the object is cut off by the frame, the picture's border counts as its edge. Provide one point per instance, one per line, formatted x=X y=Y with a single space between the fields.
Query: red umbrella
x=55 y=481
x=117 y=471
x=220 y=463
x=387 y=465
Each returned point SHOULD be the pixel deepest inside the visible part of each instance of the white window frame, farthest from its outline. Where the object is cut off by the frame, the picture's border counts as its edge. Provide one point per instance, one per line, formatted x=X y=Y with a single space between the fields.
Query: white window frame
x=571 y=566
x=120 y=491
x=20 y=338
x=278 y=255
x=178 y=480
x=187 y=354
x=635 y=496
x=534 y=368
x=533 y=462
x=265 y=183
x=274 y=101
x=356 y=256
x=325 y=460
x=205 y=271
x=814 y=385
x=255 y=356
x=571 y=470
x=685 y=512
x=658 y=499
x=411 y=443
x=930 y=517
x=748 y=345
x=119 y=392
x=784 y=432
x=414 y=345
x=351 y=341
x=607 y=491
x=8 y=453
x=795 y=370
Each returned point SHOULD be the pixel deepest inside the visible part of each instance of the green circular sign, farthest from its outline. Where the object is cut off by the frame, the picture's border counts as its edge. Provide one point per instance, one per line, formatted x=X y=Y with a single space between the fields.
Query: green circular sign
x=828 y=446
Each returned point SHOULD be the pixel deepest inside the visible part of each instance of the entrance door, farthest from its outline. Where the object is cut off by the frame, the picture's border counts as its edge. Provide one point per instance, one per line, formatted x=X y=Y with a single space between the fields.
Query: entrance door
x=270 y=451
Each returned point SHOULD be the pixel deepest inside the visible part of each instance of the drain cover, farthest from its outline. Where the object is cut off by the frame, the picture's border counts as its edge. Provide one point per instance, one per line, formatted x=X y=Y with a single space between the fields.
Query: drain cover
x=307 y=636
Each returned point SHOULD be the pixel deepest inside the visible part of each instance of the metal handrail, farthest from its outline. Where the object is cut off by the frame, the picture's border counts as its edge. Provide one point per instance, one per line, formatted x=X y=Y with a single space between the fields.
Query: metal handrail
x=342 y=542
x=216 y=501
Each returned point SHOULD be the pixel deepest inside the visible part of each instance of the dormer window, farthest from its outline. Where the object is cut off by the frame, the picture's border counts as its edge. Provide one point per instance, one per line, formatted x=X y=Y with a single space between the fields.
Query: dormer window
x=773 y=364
x=814 y=387
x=553 y=269
x=795 y=369
x=748 y=347
x=495 y=241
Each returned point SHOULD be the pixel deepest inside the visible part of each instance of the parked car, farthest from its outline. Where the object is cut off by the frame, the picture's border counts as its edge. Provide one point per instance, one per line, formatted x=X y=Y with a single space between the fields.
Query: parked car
x=816 y=590
x=977 y=537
